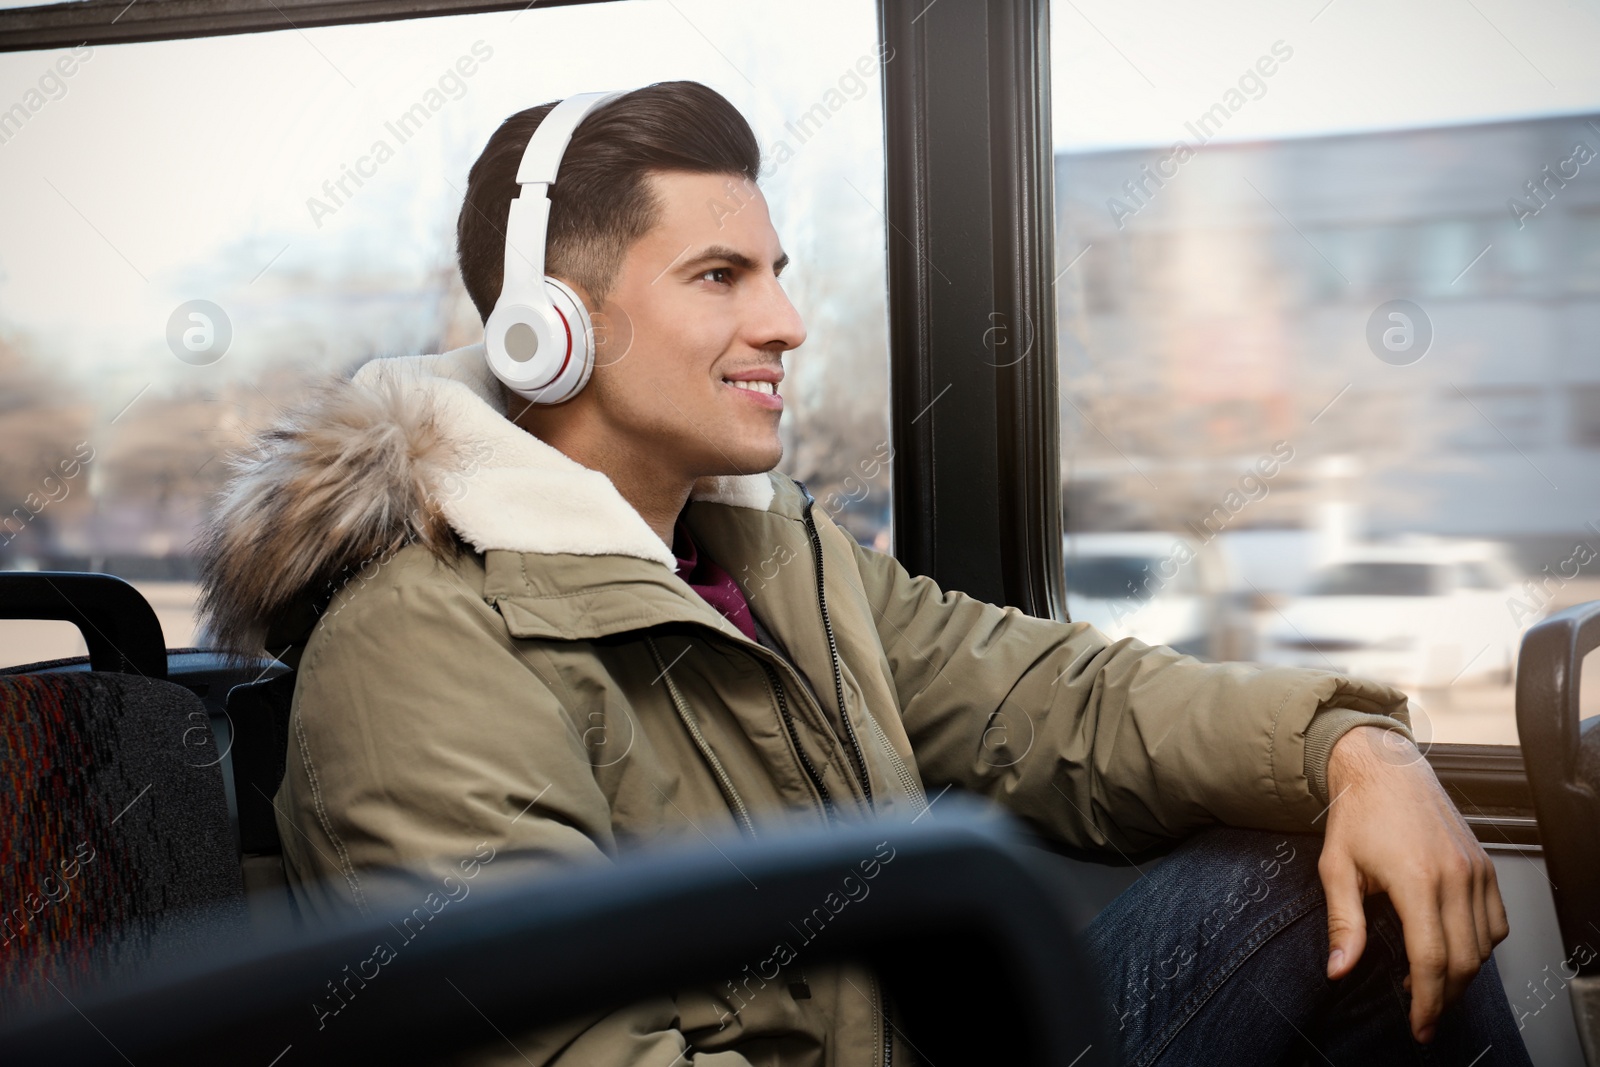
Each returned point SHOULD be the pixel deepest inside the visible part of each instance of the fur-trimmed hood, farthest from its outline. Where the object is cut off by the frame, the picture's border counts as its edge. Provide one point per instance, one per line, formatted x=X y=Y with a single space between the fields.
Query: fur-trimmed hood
x=409 y=449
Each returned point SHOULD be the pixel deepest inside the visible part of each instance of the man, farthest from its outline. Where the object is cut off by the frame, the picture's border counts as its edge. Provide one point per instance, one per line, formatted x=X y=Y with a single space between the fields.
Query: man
x=538 y=632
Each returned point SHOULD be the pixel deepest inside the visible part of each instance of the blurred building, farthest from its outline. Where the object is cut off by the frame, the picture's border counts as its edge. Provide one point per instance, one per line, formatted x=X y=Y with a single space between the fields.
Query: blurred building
x=1218 y=301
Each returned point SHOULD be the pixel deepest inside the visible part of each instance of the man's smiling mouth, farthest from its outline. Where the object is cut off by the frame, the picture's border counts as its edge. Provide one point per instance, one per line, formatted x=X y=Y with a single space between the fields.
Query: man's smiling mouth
x=769 y=388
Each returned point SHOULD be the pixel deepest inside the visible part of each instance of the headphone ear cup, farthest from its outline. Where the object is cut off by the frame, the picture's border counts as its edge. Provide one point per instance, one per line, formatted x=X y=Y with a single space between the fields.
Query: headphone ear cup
x=517 y=341
x=577 y=362
x=544 y=354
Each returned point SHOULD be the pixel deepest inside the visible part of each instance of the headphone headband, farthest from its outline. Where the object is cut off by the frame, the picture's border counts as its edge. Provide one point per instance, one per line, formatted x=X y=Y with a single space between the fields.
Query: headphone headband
x=539 y=339
x=542 y=158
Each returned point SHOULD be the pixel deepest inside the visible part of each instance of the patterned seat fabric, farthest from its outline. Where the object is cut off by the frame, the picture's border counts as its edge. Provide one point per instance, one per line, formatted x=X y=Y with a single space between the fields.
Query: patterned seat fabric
x=118 y=854
x=1589 y=753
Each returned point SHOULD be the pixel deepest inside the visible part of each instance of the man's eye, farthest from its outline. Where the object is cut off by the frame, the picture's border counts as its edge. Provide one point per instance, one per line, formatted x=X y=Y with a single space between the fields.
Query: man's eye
x=726 y=272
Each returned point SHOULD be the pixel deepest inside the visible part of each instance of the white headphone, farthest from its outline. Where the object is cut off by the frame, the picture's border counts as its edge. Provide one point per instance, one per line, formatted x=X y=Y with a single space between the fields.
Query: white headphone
x=539 y=339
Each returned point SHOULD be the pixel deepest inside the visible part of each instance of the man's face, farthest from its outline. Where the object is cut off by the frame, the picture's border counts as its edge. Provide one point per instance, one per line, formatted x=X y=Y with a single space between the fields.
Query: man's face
x=695 y=307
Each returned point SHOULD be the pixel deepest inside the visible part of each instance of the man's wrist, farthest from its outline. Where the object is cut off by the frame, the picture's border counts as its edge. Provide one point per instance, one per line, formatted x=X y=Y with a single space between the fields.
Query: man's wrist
x=1330 y=726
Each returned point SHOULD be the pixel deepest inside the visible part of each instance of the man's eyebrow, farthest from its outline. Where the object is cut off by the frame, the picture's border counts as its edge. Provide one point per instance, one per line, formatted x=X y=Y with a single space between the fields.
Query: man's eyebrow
x=712 y=253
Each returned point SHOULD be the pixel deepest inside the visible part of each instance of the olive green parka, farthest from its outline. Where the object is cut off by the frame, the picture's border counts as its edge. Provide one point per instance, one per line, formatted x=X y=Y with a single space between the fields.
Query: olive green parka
x=497 y=664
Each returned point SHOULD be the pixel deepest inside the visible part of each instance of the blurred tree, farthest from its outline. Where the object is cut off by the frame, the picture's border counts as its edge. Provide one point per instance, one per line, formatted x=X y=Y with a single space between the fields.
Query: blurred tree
x=42 y=422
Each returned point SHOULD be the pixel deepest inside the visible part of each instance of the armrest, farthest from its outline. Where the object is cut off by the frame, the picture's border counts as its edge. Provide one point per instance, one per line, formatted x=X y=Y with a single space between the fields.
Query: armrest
x=117 y=623
x=959 y=923
x=1565 y=802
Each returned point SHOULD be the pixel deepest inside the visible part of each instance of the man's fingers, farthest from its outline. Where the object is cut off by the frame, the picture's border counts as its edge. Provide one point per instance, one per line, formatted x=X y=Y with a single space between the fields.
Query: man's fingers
x=1480 y=911
x=1347 y=923
x=1460 y=937
x=1418 y=908
x=1499 y=927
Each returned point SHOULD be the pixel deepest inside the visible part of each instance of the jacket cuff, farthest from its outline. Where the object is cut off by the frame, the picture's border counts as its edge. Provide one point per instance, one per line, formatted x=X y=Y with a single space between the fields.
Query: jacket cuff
x=1325 y=729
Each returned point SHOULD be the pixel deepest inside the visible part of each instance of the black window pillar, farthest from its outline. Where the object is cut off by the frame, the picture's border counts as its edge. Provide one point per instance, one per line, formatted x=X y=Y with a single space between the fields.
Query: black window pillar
x=970 y=206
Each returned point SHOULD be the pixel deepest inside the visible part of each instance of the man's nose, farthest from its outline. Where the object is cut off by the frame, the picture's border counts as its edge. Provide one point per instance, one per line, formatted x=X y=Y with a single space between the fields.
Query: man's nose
x=776 y=320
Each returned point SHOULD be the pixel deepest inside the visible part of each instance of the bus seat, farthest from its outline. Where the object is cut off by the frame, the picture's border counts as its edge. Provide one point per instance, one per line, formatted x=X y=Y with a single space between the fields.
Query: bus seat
x=118 y=624
x=259 y=712
x=118 y=840
x=1562 y=754
x=541 y=948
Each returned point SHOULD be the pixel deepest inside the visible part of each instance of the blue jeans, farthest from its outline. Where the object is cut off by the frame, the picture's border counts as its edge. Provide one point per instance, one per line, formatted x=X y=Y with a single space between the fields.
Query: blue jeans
x=1218 y=955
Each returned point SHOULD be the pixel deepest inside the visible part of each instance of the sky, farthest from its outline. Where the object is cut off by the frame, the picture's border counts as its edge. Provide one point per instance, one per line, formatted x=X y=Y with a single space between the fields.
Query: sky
x=1132 y=74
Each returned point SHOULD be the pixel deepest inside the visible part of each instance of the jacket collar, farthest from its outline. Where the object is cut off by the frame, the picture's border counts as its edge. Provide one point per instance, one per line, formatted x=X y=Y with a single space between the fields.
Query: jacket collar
x=420 y=449
x=515 y=493
x=575 y=597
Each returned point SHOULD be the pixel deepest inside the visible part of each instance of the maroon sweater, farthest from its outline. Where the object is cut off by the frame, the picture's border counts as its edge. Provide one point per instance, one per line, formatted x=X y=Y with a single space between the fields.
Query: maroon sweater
x=715 y=585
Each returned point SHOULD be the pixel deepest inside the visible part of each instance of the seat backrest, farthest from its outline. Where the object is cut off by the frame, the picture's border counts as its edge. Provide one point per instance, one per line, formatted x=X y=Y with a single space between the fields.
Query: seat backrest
x=117 y=831
x=118 y=624
x=259 y=714
x=533 y=948
x=1563 y=761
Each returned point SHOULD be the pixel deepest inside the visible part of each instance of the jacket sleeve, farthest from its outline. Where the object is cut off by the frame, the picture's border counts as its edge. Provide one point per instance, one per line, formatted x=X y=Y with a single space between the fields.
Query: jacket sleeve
x=1099 y=742
x=421 y=737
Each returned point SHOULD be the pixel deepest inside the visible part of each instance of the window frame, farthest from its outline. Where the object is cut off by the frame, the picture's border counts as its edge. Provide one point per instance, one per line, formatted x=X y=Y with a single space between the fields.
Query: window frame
x=969 y=205
x=971 y=210
x=969 y=178
x=102 y=22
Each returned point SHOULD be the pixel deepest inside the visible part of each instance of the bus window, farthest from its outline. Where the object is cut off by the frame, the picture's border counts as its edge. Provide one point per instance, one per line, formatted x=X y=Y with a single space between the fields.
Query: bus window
x=1325 y=305
x=178 y=265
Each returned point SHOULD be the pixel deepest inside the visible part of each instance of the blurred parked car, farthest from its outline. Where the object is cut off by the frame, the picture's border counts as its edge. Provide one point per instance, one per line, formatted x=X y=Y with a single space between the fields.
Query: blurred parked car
x=1159 y=588
x=1418 y=614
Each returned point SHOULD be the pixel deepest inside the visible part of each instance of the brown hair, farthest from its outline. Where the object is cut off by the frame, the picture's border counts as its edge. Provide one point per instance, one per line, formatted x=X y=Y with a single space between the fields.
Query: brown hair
x=601 y=202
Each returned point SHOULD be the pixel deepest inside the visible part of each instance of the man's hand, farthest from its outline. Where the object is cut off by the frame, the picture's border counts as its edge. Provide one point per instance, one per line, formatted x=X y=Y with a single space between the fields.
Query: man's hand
x=1391 y=829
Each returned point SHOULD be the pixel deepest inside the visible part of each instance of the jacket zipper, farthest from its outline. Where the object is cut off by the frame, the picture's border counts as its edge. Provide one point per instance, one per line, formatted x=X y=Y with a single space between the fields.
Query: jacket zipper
x=736 y=802
x=883 y=1011
x=776 y=686
x=908 y=781
x=833 y=650
x=724 y=781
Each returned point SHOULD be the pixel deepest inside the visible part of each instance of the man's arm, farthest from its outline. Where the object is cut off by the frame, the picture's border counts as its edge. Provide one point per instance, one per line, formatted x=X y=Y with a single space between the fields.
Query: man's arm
x=1391 y=829
x=1104 y=743
x=1123 y=744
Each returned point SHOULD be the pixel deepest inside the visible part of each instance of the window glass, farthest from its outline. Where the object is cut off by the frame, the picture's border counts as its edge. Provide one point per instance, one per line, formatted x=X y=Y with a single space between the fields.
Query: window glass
x=1378 y=579
x=1494 y=417
x=1476 y=575
x=1583 y=416
x=1583 y=240
x=305 y=187
x=1328 y=294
